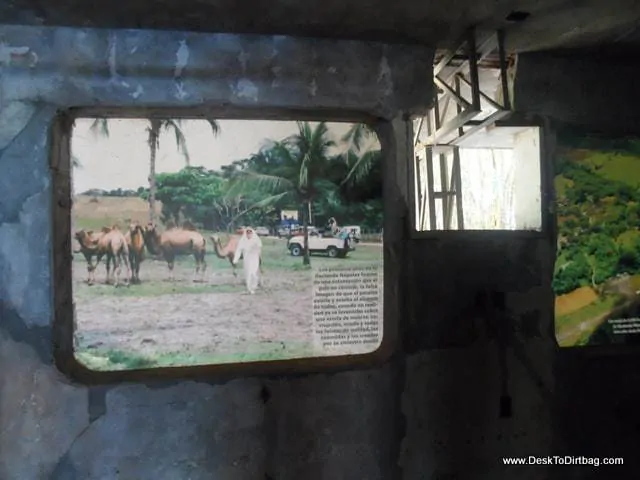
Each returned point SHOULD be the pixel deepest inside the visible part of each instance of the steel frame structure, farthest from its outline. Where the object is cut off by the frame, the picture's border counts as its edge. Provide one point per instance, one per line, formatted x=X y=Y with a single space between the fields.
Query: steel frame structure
x=456 y=68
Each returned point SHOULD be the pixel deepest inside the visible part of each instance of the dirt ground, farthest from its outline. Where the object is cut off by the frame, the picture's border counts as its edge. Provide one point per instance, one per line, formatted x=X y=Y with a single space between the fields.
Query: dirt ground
x=183 y=321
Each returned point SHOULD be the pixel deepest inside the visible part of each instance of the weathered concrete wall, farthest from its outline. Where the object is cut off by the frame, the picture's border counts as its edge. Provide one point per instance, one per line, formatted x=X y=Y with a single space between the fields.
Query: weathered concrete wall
x=596 y=90
x=596 y=396
x=431 y=412
x=454 y=378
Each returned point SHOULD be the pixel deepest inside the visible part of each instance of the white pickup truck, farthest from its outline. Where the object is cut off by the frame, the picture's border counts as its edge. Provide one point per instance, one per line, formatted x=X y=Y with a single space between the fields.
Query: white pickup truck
x=335 y=247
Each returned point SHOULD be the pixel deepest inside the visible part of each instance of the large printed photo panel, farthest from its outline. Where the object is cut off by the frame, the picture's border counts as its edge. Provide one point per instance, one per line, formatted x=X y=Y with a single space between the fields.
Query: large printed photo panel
x=209 y=242
x=597 y=270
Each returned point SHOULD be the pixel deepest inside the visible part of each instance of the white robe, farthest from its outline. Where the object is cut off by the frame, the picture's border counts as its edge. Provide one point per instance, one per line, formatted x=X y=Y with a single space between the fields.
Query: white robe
x=250 y=250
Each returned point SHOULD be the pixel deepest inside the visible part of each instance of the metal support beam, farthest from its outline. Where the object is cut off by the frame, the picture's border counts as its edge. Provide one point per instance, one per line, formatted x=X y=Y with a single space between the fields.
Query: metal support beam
x=446 y=132
x=506 y=101
x=458 y=180
x=452 y=125
x=485 y=49
x=483 y=95
x=450 y=93
x=430 y=194
x=473 y=71
x=449 y=84
x=490 y=120
x=444 y=187
x=418 y=131
x=418 y=189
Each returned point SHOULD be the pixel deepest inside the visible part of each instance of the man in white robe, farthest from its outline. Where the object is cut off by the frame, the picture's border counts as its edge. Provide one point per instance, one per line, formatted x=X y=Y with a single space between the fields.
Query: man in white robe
x=250 y=248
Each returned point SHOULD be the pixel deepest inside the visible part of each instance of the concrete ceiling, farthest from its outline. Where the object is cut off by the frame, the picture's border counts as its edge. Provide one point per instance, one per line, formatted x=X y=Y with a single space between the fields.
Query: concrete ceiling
x=549 y=23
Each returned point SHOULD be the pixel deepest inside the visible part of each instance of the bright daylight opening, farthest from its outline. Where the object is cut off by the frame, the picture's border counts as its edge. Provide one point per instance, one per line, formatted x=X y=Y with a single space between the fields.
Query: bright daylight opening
x=500 y=180
x=224 y=241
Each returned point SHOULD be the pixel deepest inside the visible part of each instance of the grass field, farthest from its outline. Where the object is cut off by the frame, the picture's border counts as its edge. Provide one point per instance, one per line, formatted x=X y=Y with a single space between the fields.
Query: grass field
x=576 y=300
x=574 y=328
x=614 y=166
x=580 y=313
x=92 y=213
x=182 y=322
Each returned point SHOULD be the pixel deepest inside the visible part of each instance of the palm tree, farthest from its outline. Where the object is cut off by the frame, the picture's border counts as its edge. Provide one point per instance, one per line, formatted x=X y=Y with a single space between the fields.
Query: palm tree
x=359 y=165
x=357 y=135
x=100 y=127
x=296 y=177
x=359 y=161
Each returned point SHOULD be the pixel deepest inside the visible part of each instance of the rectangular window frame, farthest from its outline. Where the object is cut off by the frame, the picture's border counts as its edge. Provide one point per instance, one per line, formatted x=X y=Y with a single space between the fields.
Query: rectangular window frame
x=63 y=321
x=545 y=192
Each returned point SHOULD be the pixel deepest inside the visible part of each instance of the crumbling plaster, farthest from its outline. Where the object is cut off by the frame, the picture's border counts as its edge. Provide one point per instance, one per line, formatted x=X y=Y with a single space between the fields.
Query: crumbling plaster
x=419 y=416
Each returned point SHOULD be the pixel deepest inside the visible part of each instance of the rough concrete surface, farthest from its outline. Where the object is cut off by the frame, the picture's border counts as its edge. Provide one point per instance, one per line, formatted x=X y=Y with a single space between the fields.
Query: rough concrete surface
x=591 y=91
x=342 y=426
x=548 y=23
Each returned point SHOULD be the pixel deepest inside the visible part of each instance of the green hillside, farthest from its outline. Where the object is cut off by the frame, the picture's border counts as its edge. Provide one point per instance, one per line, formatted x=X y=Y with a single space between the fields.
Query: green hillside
x=614 y=166
x=598 y=200
x=598 y=197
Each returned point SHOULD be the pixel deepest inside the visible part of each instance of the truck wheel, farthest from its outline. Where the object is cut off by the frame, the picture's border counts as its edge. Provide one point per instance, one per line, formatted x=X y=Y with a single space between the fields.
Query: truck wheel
x=333 y=252
x=296 y=251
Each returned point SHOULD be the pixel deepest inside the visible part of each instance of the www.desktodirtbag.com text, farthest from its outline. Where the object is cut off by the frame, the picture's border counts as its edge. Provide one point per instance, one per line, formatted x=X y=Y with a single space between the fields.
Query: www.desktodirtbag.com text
x=562 y=460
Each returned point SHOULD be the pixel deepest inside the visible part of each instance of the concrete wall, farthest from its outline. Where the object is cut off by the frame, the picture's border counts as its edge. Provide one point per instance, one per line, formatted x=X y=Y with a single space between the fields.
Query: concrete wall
x=596 y=90
x=597 y=395
x=430 y=412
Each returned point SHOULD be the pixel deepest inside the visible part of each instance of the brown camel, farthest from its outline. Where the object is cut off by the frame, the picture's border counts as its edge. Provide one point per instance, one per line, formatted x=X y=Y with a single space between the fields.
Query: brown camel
x=229 y=250
x=88 y=240
x=135 y=242
x=177 y=241
x=113 y=244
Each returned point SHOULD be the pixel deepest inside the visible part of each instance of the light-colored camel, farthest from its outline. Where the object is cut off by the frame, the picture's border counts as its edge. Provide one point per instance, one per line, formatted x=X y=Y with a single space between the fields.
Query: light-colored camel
x=135 y=242
x=177 y=241
x=113 y=244
x=88 y=241
x=229 y=250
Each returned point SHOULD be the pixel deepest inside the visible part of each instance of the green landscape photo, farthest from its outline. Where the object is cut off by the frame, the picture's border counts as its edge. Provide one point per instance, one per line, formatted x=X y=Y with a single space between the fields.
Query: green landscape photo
x=597 y=270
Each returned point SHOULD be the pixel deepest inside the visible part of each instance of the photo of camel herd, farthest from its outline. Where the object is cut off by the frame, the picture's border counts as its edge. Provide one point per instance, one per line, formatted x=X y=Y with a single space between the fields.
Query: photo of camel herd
x=196 y=241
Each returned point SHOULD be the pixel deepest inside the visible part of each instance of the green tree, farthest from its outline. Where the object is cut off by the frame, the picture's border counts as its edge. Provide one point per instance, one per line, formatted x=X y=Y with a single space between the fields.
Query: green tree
x=357 y=136
x=100 y=127
x=297 y=176
x=604 y=256
x=200 y=195
x=629 y=259
x=573 y=274
x=359 y=160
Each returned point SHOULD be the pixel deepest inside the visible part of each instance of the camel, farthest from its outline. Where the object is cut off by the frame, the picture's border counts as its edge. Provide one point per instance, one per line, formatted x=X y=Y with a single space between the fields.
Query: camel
x=176 y=241
x=113 y=244
x=88 y=240
x=135 y=242
x=229 y=250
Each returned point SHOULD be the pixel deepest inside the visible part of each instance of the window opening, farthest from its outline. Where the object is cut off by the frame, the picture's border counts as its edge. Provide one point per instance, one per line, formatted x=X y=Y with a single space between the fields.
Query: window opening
x=472 y=169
